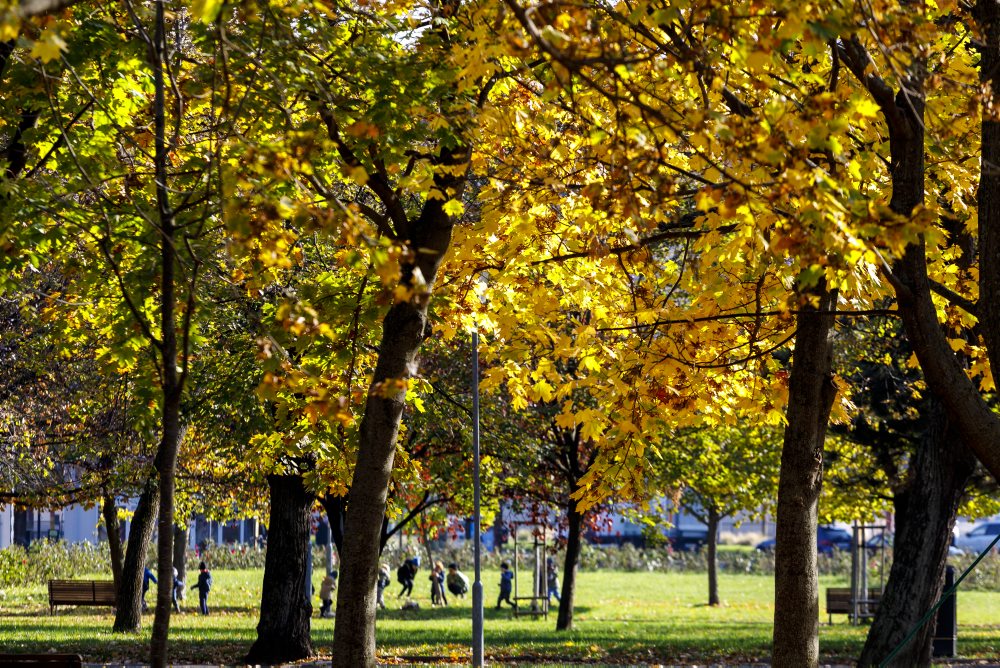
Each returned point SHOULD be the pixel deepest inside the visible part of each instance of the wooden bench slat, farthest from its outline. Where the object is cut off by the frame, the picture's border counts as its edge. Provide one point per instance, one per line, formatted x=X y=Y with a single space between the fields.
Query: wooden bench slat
x=81 y=592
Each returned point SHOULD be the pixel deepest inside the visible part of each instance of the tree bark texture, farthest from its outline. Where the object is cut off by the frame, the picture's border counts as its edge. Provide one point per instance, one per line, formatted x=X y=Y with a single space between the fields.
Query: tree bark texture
x=925 y=517
x=811 y=394
x=109 y=511
x=128 y=615
x=285 y=609
x=574 y=535
x=713 y=566
x=403 y=331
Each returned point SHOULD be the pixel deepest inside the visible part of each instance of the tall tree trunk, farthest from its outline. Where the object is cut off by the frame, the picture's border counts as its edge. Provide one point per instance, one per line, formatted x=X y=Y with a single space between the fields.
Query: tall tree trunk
x=574 y=535
x=180 y=553
x=987 y=15
x=128 y=615
x=109 y=511
x=811 y=393
x=171 y=354
x=166 y=464
x=713 y=568
x=925 y=517
x=285 y=609
x=403 y=331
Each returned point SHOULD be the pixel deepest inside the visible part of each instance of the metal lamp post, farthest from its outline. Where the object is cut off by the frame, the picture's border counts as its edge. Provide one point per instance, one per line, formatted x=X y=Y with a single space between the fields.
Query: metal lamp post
x=477 y=585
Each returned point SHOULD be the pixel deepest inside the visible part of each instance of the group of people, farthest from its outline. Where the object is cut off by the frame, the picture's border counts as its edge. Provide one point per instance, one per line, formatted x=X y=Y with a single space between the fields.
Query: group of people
x=456 y=582
x=177 y=592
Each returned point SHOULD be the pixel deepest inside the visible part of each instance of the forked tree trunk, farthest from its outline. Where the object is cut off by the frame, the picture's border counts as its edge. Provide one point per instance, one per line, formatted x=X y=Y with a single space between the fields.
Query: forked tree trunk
x=109 y=511
x=128 y=615
x=811 y=393
x=285 y=609
x=574 y=535
x=925 y=517
x=713 y=567
x=403 y=331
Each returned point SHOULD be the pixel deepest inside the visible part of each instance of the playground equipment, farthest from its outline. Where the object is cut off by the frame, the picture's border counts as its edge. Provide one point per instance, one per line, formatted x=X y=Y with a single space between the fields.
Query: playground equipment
x=865 y=597
x=537 y=603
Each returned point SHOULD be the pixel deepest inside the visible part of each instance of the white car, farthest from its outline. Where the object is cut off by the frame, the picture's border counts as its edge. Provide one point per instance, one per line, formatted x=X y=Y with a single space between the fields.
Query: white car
x=979 y=539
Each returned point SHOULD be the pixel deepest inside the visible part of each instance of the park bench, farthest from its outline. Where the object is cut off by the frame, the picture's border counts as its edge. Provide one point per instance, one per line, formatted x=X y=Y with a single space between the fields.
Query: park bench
x=81 y=592
x=41 y=660
x=838 y=602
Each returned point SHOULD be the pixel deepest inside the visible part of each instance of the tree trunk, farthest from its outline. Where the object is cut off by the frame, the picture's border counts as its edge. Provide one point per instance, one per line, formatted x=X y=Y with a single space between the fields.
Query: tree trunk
x=285 y=609
x=110 y=513
x=925 y=517
x=811 y=393
x=403 y=331
x=987 y=15
x=180 y=555
x=128 y=615
x=713 y=539
x=166 y=464
x=574 y=532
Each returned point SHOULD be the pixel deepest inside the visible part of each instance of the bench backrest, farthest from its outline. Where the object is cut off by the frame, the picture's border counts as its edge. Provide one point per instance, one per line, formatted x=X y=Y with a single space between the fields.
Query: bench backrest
x=74 y=591
x=839 y=598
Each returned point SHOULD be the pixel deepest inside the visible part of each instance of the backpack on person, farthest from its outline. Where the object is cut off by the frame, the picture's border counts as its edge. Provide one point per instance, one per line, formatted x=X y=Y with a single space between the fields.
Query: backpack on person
x=403 y=574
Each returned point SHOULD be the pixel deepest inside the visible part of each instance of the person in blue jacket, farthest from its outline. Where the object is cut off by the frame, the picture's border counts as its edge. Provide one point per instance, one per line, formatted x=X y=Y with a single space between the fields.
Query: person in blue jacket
x=506 y=585
x=147 y=577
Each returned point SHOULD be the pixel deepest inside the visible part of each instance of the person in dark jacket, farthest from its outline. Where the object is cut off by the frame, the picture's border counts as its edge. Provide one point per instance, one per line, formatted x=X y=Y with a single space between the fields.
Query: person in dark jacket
x=506 y=585
x=204 y=586
x=406 y=574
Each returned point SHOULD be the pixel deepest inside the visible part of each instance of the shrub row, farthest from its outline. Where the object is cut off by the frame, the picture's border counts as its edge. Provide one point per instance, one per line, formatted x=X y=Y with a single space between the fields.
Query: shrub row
x=43 y=561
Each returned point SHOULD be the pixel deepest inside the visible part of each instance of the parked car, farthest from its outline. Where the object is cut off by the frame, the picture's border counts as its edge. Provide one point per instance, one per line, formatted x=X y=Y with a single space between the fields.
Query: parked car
x=687 y=539
x=828 y=539
x=979 y=538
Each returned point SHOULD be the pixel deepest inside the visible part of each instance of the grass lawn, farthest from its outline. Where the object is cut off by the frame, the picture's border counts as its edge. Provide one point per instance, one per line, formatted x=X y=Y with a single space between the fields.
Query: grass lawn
x=620 y=618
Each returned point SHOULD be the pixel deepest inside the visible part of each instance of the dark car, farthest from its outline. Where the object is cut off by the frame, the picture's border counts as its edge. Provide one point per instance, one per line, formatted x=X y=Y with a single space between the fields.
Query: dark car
x=686 y=539
x=828 y=539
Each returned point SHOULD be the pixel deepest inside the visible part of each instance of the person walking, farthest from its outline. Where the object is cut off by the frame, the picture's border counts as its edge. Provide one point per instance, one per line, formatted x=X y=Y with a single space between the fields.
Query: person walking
x=204 y=586
x=147 y=577
x=458 y=584
x=552 y=573
x=506 y=586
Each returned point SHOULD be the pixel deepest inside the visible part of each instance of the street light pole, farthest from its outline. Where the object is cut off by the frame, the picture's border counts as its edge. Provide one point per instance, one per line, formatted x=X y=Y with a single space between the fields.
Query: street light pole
x=477 y=585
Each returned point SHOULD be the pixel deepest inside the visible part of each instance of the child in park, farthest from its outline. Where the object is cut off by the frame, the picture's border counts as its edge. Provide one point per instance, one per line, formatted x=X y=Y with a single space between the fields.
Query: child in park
x=437 y=585
x=458 y=584
x=506 y=585
x=204 y=586
x=380 y=585
x=326 y=593
x=178 y=592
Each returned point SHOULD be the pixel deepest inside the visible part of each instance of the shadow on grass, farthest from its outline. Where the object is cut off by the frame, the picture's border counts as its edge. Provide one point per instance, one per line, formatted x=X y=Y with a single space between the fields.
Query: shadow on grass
x=456 y=612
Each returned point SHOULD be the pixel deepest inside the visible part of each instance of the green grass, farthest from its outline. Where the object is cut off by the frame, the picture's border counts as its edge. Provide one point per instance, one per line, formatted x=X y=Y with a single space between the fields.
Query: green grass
x=620 y=618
